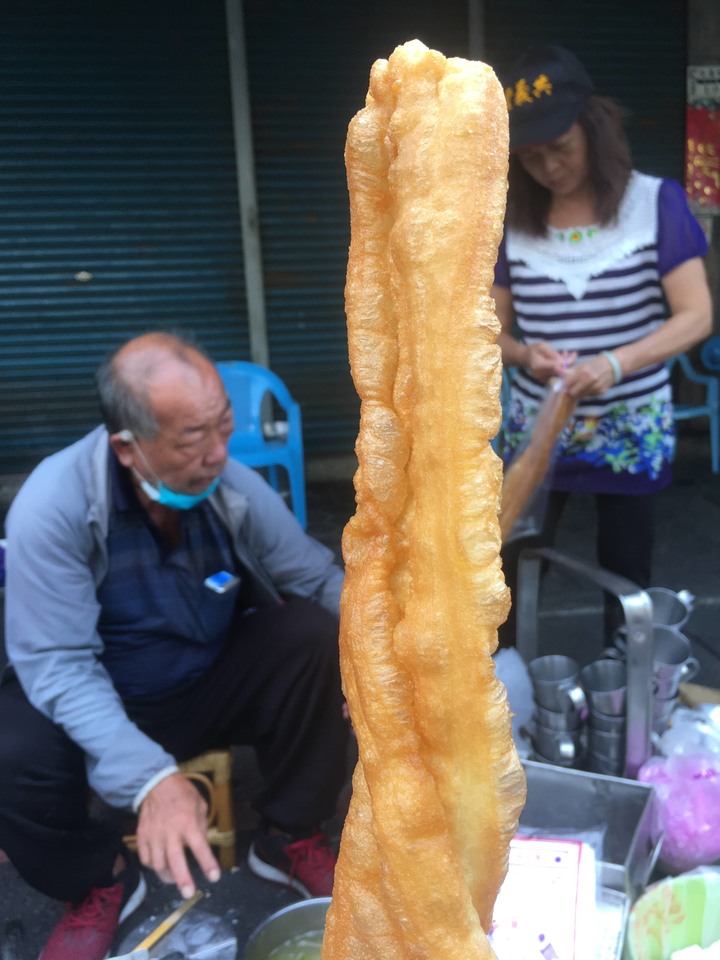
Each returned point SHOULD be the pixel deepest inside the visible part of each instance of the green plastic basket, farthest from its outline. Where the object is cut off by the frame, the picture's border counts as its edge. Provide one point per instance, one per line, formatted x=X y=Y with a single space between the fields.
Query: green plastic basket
x=674 y=913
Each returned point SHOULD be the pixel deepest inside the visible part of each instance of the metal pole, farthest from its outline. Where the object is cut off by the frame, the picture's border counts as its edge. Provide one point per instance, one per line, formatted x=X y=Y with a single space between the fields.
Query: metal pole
x=476 y=30
x=247 y=193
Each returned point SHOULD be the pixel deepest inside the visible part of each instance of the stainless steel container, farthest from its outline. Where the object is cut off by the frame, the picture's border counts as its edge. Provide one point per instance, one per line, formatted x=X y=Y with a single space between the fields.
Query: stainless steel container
x=568 y=800
x=304 y=917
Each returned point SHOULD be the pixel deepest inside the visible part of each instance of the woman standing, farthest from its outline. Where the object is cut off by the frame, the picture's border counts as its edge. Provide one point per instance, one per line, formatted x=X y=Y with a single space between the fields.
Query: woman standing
x=600 y=264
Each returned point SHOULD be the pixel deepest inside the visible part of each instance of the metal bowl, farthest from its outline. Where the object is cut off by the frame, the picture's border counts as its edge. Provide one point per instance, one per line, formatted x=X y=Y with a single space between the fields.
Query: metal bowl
x=305 y=916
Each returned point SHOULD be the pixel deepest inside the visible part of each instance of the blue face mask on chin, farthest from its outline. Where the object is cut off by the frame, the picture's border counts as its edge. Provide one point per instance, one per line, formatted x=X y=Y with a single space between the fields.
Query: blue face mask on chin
x=161 y=494
x=173 y=499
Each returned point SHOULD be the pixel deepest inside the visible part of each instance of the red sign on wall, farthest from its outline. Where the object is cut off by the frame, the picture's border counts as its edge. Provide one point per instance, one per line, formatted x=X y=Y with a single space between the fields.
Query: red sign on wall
x=702 y=156
x=702 y=145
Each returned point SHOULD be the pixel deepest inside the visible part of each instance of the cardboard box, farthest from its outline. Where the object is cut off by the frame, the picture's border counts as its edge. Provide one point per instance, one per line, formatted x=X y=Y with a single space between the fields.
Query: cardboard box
x=693 y=695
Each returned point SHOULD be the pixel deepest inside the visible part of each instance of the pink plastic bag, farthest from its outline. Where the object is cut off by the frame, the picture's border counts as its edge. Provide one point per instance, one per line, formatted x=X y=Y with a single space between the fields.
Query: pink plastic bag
x=687 y=808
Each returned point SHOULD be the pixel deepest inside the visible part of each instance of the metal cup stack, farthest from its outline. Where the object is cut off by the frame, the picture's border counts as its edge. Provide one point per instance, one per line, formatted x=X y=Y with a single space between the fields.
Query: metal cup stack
x=673 y=662
x=557 y=730
x=605 y=686
x=580 y=716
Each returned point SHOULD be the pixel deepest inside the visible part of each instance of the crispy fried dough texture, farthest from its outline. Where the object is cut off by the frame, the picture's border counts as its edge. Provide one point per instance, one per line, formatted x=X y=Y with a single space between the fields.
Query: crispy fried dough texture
x=438 y=788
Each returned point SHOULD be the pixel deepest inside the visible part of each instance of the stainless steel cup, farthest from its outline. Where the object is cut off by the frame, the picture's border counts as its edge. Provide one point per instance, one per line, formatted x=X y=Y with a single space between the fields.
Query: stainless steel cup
x=673 y=662
x=611 y=767
x=662 y=711
x=609 y=744
x=555 y=685
x=670 y=609
x=554 y=720
x=558 y=746
x=605 y=684
x=607 y=723
x=665 y=688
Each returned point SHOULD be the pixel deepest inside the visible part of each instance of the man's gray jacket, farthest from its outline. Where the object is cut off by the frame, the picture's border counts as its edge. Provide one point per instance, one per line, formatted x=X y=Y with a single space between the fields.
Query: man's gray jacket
x=56 y=557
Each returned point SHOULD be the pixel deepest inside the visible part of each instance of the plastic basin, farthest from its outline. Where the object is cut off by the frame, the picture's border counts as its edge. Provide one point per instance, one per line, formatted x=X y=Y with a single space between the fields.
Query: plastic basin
x=675 y=913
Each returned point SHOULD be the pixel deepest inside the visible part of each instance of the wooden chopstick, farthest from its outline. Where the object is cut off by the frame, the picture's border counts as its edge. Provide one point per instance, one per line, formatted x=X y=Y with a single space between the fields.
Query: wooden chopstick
x=152 y=938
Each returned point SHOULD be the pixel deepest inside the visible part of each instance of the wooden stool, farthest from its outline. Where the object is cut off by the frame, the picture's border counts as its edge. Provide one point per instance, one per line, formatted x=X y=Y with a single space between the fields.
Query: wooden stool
x=213 y=771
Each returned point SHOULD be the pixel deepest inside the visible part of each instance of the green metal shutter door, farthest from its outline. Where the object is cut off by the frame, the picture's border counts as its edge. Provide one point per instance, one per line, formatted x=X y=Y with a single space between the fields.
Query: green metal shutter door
x=116 y=162
x=309 y=65
x=635 y=52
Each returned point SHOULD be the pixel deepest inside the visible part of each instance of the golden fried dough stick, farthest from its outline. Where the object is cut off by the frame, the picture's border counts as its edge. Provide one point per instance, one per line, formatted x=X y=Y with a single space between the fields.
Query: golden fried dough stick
x=438 y=788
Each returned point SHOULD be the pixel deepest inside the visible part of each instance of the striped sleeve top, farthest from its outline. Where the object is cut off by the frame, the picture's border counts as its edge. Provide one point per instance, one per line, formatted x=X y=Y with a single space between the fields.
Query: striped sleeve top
x=592 y=289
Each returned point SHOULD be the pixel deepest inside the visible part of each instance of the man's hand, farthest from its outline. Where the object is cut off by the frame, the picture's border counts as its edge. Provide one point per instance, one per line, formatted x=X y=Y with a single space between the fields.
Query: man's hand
x=174 y=816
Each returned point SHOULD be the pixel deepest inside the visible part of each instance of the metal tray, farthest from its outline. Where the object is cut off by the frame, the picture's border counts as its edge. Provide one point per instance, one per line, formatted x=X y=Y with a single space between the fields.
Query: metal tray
x=568 y=800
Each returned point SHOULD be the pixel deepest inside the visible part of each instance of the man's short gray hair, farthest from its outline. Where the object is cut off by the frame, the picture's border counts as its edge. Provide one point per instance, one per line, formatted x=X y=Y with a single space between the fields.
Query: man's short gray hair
x=125 y=405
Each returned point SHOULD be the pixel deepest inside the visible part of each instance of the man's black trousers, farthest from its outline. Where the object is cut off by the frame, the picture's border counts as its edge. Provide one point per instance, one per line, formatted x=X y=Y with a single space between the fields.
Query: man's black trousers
x=276 y=686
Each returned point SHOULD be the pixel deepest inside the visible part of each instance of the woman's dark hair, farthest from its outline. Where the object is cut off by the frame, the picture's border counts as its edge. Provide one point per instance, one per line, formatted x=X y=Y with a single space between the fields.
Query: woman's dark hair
x=609 y=168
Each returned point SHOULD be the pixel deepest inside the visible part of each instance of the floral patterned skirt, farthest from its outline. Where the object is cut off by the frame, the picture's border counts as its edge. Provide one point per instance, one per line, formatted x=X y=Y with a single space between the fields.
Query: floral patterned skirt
x=627 y=450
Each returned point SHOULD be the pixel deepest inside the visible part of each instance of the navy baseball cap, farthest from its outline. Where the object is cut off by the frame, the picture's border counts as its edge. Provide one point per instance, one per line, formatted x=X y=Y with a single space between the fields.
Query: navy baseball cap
x=545 y=91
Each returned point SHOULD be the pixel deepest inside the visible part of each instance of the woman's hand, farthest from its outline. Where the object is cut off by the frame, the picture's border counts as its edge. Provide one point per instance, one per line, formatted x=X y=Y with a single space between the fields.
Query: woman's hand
x=590 y=378
x=174 y=816
x=540 y=359
x=544 y=362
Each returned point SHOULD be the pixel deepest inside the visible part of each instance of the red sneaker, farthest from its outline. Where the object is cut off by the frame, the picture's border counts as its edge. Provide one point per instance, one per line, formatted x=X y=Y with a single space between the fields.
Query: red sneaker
x=307 y=865
x=87 y=930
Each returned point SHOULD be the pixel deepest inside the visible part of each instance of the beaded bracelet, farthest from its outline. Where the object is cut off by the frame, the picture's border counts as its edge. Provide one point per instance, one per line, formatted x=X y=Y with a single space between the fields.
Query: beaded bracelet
x=615 y=364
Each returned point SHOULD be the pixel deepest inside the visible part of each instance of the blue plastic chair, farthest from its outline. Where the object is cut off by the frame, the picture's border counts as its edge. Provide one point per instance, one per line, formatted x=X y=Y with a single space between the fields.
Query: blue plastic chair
x=260 y=440
x=711 y=407
x=710 y=353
